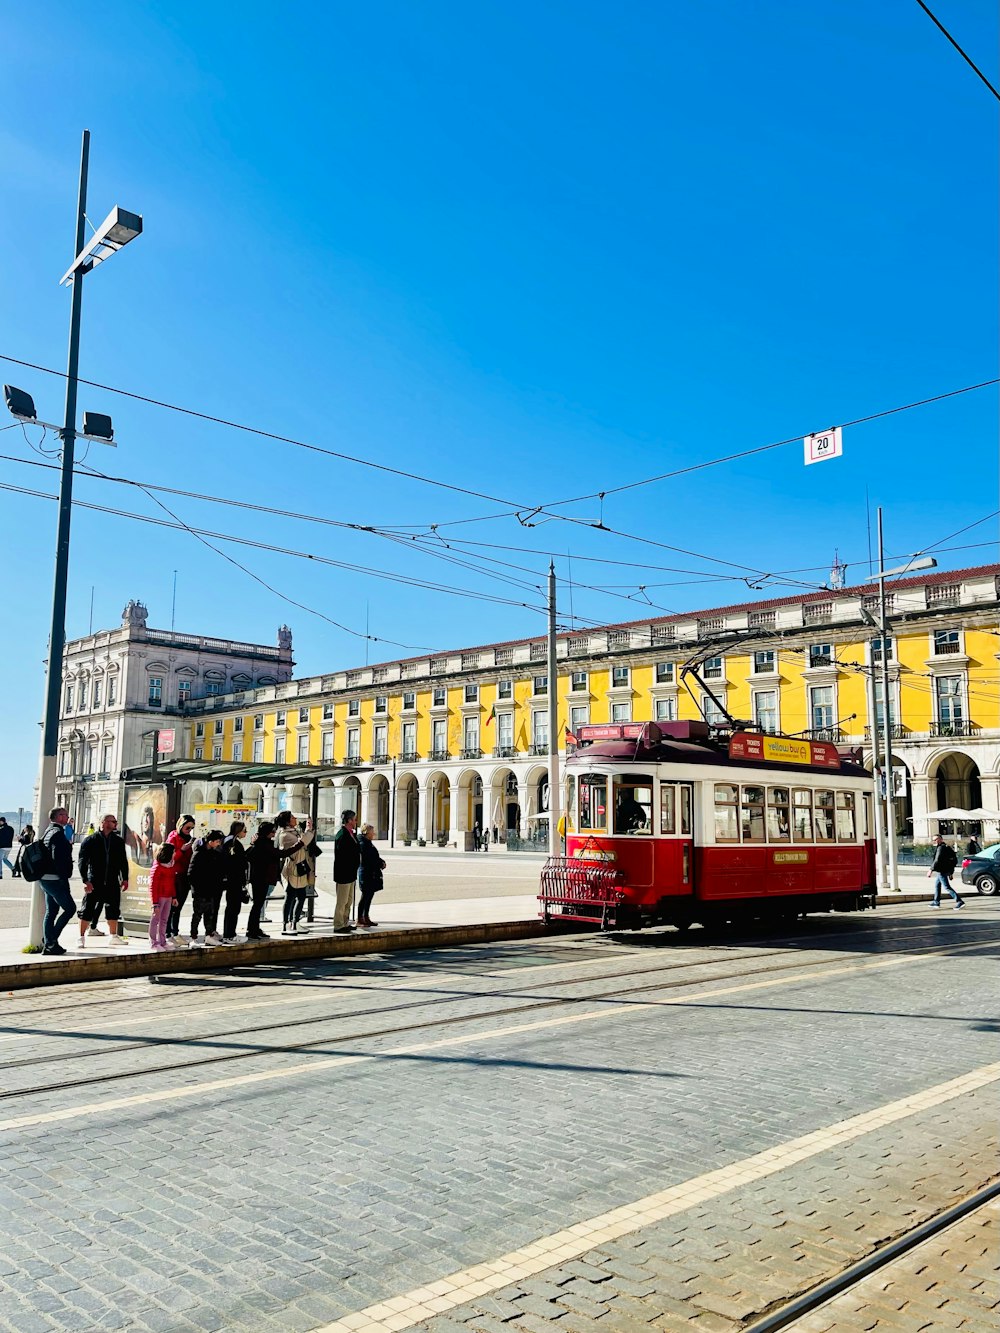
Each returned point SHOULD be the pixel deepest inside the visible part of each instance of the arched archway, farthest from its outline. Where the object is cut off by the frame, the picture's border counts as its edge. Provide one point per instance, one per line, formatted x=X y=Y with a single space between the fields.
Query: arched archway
x=957 y=779
x=438 y=790
x=407 y=807
x=350 y=796
x=377 y=804
x=470 y=807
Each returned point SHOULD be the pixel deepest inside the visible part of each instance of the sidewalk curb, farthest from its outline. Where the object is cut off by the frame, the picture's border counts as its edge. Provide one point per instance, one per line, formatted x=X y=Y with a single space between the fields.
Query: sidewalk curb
x=117 y=966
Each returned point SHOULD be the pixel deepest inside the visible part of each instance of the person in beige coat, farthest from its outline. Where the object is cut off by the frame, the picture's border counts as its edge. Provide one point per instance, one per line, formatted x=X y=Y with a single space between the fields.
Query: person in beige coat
x=297 y=848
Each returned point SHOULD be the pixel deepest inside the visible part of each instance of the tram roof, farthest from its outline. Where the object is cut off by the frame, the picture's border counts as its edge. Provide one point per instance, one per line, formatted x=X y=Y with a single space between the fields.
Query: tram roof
x=708 y=752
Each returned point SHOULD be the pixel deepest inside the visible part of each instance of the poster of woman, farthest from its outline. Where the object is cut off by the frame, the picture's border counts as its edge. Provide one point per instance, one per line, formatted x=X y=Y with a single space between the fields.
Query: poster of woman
x=145 y=829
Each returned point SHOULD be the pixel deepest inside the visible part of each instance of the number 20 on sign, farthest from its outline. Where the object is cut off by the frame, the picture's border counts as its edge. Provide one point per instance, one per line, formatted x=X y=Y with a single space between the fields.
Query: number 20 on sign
x=823 y=445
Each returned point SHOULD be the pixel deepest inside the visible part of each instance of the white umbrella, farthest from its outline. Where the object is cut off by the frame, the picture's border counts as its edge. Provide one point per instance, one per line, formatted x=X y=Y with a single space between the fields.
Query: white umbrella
x=951 y=812
x=981 y=813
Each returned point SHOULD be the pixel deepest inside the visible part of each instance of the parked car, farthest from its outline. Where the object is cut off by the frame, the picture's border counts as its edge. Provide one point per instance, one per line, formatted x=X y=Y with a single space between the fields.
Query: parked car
x=983 y=869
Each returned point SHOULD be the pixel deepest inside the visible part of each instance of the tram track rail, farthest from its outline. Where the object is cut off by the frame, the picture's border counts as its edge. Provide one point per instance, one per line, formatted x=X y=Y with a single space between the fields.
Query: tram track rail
x=397 y=1029
x=786 y=1314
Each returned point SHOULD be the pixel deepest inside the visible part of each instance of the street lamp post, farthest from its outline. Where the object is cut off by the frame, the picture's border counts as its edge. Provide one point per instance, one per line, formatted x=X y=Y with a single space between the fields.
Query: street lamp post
x=118 y=229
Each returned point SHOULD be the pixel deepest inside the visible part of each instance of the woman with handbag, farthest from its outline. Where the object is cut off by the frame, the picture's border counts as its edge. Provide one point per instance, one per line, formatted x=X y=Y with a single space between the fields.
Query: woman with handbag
x=369 y=876
x=299 y=866
x=265 y=871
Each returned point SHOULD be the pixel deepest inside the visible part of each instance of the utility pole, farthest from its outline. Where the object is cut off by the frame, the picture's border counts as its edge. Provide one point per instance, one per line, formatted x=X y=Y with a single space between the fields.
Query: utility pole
x=890 y=801
x=555 y=802
x=877 y=809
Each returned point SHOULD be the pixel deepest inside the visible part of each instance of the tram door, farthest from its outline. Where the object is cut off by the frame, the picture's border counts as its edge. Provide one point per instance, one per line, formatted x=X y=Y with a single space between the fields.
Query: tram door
x=676 y=824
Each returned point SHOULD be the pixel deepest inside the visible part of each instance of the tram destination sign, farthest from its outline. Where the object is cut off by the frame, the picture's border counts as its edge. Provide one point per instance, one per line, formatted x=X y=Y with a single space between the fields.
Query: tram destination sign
x=782 y=750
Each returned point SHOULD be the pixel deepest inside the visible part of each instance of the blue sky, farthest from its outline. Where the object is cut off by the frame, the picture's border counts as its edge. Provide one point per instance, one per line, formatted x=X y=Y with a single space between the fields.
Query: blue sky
x=535 y=249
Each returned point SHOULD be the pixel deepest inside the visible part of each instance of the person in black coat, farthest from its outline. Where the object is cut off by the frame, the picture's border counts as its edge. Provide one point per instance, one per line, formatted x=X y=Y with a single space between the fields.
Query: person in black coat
x=207 y=877
x=346 y=860
x=265 y=871
x=237 y=878
x=369 y=876
x=103 y=863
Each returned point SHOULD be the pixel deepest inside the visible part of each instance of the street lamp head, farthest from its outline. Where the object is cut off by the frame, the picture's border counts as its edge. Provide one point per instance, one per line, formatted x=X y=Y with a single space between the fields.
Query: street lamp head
x=911 y=567
x=117 y=229
x=97 y=426
x=19 y=403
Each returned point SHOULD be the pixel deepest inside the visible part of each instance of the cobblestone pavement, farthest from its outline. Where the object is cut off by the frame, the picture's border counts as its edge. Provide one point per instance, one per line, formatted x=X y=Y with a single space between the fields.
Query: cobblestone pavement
x=452 y=1108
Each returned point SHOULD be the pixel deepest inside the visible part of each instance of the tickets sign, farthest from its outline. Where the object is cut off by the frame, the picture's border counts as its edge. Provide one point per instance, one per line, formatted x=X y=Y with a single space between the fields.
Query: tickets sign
x=782 y=750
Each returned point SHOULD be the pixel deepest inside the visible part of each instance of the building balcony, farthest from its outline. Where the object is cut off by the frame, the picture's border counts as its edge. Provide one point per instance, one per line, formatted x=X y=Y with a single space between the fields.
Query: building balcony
x=539 y=748
x=897 y=732
x=504 y=752
x=957 y=728
x=409 y=757
x=381 y=758
x=353 y=761
x=832 y=734
x=440 y=756
x=473 y=753
x=943 y=649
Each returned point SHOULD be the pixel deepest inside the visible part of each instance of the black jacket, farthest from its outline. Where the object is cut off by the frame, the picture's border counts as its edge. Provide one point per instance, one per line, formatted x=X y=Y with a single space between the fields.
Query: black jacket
x=372 y=866
x=346 y=856
x=60 y=852
x=945 y=859
x=207 y=872
x=6 y=836
x=265 y=863
x=237 y=863
x=104 y=867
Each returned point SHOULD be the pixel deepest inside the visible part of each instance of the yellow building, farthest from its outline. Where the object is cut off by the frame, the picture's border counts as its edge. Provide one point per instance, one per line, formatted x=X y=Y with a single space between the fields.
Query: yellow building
x=445 y=742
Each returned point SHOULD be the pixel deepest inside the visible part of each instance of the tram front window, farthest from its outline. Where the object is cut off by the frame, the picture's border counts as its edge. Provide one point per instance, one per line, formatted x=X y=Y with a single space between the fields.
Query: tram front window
x=593 y=802
x=633 y=803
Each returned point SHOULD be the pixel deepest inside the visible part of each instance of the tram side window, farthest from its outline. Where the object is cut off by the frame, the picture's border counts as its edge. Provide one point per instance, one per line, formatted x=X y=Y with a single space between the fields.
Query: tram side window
x=824 y=817
x=686 y=811
x=593 y=801
x=777 y=814
x=845 y=817
x=752 y=814
x=570 y=806
x=633 y=803
x=668 y=808
x=802 y=819
x=726 y=812
x=866 y=805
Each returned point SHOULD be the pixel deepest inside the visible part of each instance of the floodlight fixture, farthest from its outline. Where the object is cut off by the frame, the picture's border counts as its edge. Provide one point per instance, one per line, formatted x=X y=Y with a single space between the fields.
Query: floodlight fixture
x=97 y=426
x=117 y=229
x=870 y=620
x=925 y=562
x=19 y=403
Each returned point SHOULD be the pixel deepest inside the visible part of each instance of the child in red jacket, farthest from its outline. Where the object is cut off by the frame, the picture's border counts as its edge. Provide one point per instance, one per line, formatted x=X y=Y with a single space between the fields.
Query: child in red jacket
x=162 y=889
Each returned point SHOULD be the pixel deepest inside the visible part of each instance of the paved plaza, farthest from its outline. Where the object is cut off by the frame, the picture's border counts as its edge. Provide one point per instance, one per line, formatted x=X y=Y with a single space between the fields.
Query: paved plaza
x=586 y=1132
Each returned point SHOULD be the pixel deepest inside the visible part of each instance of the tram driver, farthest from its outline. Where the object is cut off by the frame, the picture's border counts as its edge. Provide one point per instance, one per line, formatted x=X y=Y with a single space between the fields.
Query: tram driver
x=629 y=814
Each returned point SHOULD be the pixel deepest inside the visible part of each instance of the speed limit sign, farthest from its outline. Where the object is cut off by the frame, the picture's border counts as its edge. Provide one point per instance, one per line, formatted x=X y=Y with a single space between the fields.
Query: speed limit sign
x=823 y=445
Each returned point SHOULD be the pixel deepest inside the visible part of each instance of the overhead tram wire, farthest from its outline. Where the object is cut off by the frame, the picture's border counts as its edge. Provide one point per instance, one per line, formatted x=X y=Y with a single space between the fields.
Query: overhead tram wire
x=965 y=56
x=523 y=512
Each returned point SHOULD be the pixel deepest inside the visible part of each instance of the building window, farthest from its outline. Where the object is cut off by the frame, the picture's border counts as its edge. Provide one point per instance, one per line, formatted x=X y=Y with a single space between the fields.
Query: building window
x=877 y=650
x=540 y=685
x=91 y=758
x=199 y=752
x=578 y=681
x=505 y=731
x=279 y=718
x=302 y=749
x=578 y=717
x=155 y=691
x=69 y=699
x=63 y=763
x=666 y=710
x=328 y=712
x=879 y=710
x=303 y=714
x=765 y=709
x=106 y=757
x=216 y=751
x=258 y=722
x=112 y=690
x=713 y=713
x=619 y=677
x=354 y=708
x=214 y=687
x=237 y=752
x=354 y=742
x=439 y=696
x=217 y=726
x=821 y=654
x=821 y=707
x=664 y=673
x=439 y=737
x=409 y=699
x=505 y=689
x=258 y=751
x=183 y=692
x=279 y=749
x=381 y=703
x=380 y=743
x=945 y=641
x=763 y=662
x=470 y=733
x=237 y=724
x=199 y=728
x=540 y=730
x=472 y=694
x=327 y=751
x=621 y=712
x=409 y=739
x=712 y=669
x=950 y=709
x=83 y=695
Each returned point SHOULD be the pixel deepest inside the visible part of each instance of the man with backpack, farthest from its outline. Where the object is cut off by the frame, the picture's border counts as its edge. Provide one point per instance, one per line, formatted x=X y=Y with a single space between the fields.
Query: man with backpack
x=942 y=868
x=55 y=878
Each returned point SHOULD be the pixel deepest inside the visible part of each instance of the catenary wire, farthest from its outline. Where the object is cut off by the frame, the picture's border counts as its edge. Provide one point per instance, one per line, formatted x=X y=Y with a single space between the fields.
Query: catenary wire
x=965 y=56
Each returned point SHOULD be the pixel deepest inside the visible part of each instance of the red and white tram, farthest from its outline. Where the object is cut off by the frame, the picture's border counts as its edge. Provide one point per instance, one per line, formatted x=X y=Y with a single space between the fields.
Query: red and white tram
x=665 y=824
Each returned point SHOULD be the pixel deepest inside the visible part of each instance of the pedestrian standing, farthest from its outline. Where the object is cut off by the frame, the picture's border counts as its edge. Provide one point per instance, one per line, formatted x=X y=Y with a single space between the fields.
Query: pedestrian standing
x=180 y=839
x=298 y=862
x=346 y=862
x=162 y=884
x=369 y=876
x=477 y=837
x=103 y=863
x=237 y=879
x=942 y=868
x=972 y=847
x=6 y=843
x=265 y=870
x=207 y=877
x=59 y=904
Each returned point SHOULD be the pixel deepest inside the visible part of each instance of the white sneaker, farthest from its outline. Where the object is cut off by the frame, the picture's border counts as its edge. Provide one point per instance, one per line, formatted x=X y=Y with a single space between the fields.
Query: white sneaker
x=215 y=937
x=182 y=939
x=302 y=928
x=209 y=943
x=94 y=931
x=118 y=941
x=172 y=944
x=82 y=942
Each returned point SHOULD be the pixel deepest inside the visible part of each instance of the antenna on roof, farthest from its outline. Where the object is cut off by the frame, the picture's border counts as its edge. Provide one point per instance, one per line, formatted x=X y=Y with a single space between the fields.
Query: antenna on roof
x=838 y=572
